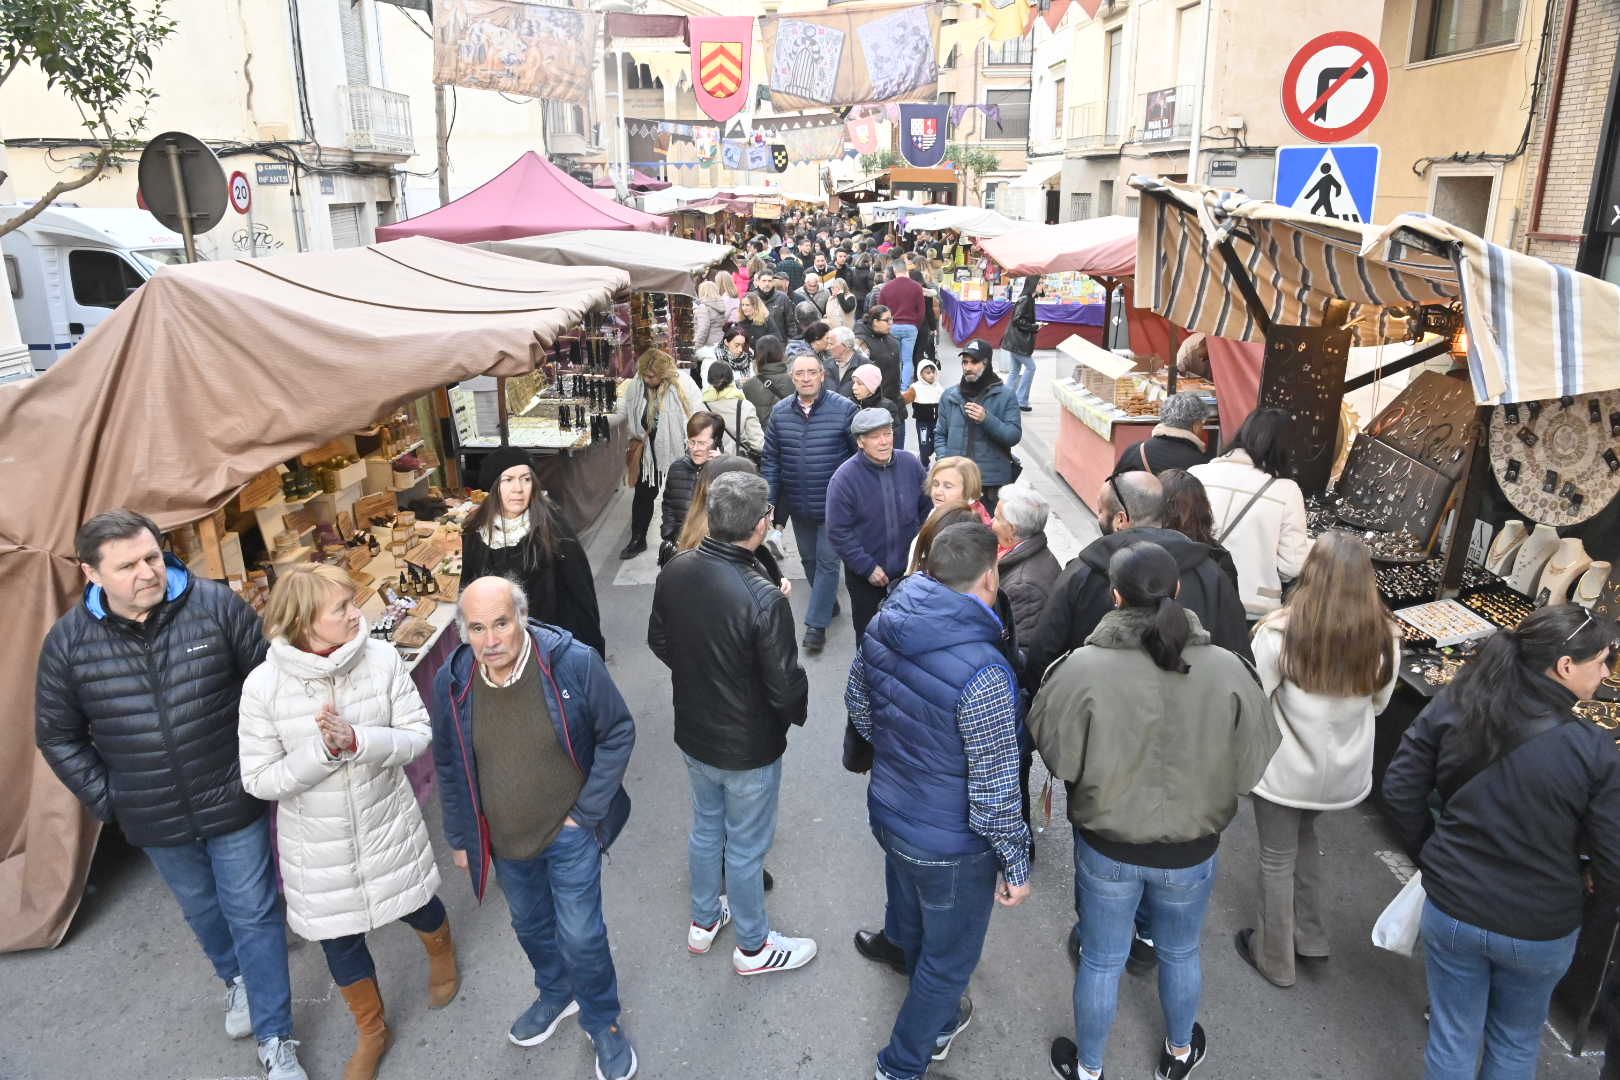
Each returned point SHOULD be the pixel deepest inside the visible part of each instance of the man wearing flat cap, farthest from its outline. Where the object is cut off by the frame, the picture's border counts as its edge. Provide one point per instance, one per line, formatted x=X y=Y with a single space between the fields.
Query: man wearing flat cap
x=875 y=506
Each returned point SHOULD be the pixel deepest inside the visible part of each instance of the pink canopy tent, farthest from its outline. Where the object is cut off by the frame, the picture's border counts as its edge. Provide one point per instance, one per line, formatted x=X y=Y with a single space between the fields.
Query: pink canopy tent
x=639 y=181
x=531 y=198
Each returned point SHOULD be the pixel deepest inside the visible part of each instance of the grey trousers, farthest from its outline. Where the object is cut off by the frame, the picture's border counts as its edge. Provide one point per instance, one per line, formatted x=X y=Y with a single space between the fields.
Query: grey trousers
x=1290 y=890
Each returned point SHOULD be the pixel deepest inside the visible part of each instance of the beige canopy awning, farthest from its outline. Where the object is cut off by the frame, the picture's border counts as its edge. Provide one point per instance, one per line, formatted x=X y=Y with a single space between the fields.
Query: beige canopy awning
x=205 y=377
x=654 y=261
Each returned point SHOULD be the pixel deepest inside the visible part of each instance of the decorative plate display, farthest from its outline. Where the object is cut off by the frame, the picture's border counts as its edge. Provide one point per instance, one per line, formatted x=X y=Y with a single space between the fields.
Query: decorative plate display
x=1558 y=461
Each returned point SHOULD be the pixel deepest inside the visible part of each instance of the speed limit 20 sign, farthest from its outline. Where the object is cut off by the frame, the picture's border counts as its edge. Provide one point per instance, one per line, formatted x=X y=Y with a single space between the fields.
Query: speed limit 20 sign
x=1334 y=86
x=240 y=193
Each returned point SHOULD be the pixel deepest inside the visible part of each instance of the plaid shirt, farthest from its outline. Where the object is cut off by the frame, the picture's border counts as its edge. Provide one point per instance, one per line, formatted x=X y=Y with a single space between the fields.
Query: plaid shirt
x=987 y=717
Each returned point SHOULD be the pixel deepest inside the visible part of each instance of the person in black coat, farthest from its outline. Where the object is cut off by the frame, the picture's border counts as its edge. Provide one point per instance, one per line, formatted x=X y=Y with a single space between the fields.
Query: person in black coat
x=1177 y=441
x=517 y=533
x=704 y=431
x=882 y=348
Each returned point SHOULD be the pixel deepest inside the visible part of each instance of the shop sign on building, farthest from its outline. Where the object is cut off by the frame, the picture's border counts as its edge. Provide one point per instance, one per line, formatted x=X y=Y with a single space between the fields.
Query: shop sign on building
x=1223 y=169
x=1336 y=182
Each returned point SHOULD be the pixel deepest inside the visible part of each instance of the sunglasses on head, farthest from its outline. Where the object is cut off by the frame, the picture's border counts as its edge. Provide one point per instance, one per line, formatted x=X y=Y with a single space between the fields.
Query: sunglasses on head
x=1119 y=497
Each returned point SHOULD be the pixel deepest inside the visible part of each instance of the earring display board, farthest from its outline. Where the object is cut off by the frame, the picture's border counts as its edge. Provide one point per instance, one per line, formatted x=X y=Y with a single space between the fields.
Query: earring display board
x=1431 y=420
x=1558 y=462
x=1389 y=491
x=1304 y=376
x=1608 y=603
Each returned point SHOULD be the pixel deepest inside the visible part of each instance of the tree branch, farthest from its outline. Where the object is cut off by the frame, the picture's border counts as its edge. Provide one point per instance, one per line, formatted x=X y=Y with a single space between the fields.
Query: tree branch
x=60 y=188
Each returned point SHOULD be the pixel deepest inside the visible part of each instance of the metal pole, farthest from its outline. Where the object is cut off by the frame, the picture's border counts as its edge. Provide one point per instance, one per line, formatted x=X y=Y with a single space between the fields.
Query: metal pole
x=624 y=132
x=441 y=122
x=1195 y=144
x=173 y=153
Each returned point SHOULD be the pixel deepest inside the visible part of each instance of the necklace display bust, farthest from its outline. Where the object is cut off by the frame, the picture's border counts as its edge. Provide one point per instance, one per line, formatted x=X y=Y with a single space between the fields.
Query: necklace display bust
x=1499 y=559
x=1532 y=559
x=1569 y=561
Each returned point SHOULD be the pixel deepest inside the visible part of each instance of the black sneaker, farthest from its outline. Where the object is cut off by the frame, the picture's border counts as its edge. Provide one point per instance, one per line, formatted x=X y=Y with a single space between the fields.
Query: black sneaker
x=1143 y=955
x=1066 y=1060
x=1173 y=1068
x=633 y=548
x=964 y=1017
x=815 y=639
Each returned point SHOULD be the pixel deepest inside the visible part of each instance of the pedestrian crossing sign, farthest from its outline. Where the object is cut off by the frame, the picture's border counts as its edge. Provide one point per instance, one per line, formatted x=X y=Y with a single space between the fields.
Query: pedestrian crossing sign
x=1336 y=182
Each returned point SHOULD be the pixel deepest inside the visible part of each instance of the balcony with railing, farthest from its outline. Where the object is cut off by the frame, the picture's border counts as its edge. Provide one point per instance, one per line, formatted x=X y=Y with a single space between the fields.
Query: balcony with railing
x=1090 y=127
x=1166 y=115
x=378 y=122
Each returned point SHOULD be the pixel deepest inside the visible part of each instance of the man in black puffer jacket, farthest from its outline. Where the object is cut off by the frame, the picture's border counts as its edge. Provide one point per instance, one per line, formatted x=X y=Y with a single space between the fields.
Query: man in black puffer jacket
x=136 y=712
x=726 y=633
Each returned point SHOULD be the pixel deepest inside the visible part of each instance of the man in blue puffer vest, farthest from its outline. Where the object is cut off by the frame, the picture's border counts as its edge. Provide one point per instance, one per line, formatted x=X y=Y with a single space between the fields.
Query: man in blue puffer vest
x=936 y=697
x=806 y=440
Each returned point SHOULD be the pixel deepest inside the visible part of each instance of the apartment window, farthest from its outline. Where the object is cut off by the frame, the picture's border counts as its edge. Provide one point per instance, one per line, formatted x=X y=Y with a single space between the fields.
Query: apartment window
x=1080 y=206
x=1014 y=113
x=385 y=213
x=1465 y=201
x=991 y=191
x=1459 y=26
x=950 y=58
x=1115 y=55
x=1105 y=197
x=1057 y=107
x=946 y=98
x=101 y=278
x=1189 y=46
x=1017 y=51
x=345 y=218
x=564 y=119
x=353 y=33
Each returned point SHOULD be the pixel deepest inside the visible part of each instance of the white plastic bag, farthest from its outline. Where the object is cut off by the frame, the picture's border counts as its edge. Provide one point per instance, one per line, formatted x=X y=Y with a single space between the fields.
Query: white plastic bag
x=1397 y=928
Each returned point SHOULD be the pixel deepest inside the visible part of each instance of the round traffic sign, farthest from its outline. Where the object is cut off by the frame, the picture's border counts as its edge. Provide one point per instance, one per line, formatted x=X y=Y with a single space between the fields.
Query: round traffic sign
x=241 y=194
x=1334 y=86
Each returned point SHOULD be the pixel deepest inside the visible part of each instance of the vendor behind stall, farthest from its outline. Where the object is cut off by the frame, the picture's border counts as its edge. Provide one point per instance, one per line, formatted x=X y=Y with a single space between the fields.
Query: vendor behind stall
x=1177 y=441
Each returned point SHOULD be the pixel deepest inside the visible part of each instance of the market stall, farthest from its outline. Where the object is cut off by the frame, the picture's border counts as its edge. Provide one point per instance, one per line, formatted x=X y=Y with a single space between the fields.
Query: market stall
x=1482 y=491
x=964 y=319
x=529 y=198
x=972 y=221
x=212 y=381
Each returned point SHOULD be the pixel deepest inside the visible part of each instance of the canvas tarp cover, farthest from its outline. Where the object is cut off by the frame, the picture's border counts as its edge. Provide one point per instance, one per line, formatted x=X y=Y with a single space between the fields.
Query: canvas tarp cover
x=967 y=220
x=1101 y=247
x=204 y=378
x=655 y=263
x=530 y=198
x=1535 y=330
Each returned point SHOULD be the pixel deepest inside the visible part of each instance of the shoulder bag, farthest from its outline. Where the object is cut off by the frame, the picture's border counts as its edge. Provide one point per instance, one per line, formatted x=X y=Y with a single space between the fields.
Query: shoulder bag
x=1230 y=525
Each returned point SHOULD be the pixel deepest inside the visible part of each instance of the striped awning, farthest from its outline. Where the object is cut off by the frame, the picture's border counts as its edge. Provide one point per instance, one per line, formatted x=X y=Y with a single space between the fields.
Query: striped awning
x=1535 y=330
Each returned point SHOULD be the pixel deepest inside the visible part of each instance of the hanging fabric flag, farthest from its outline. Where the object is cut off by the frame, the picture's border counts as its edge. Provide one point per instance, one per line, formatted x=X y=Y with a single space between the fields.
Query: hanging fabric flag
x=779 y=157
x=667 y=67
x=706 y=143
x=731 y=154
x=863 y=134
x=922 y=134
x=1091 y=6
x=1009 y=19
x=1056 y=11
x=721 y=46
x=759 y=156
x=842 y=57
x=521 y=48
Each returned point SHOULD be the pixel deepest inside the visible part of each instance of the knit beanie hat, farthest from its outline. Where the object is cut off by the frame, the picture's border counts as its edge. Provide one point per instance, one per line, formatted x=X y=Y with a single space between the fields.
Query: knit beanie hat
x=497 y=462
x=869 y=376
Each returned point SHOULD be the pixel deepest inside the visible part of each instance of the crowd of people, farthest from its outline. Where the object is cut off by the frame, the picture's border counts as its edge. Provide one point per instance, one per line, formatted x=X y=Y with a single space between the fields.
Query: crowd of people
x=1200 y=650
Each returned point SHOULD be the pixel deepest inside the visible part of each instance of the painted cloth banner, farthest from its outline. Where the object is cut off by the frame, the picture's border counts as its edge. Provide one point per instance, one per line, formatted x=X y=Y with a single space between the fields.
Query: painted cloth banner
x=1009 y=19
x=706 y=142
x=721 y=46
x=732 y=152
x=759 y=156
x=525 y=49
x=813 y=144
x=863 y=135
x=625 y=25
x=922 y=134
x=779 y=157
x=1054 y=13
x=849 y=57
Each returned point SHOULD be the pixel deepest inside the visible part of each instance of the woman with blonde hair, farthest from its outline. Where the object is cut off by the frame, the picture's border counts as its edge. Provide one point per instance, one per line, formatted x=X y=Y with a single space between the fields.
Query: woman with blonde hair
x=727 y=286
x=696 y=526
x=708 y=316
x=1328 y=661
x=754 y=317
x=327 y=724
x=957 y=478
x=656 y=406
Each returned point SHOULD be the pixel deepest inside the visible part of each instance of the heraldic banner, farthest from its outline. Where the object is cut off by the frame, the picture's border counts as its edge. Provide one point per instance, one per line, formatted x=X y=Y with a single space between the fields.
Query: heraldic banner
x=840 y=57
x=721 y=46
x=922 y=134
x=525 y=49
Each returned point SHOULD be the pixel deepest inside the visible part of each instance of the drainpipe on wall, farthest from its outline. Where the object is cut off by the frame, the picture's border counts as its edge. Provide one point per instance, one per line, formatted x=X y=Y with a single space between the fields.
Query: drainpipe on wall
x=1564 y=37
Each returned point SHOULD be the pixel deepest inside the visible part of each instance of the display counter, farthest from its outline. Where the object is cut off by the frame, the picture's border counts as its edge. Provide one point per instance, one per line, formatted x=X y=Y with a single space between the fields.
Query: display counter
x=1091 y=436
x=988 y=319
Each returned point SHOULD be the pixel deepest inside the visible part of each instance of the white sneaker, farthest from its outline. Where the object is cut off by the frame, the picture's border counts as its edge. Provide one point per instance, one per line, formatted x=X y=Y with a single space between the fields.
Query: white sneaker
x=280 y=1060
x=238 y=1021
x=699 y=940
x=781 y=953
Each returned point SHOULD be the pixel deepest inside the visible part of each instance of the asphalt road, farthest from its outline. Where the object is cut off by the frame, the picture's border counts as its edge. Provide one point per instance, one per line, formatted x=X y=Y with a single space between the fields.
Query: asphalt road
x=129 y=994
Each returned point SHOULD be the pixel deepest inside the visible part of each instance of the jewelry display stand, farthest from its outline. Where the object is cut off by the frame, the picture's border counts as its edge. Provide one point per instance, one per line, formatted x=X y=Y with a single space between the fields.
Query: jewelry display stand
x=1532 y=558
x=1499 y=559
x=1568 y=563
x=1589 y=590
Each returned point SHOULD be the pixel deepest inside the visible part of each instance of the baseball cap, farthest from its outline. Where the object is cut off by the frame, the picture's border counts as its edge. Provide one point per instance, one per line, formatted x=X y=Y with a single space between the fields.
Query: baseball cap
x=979 y=349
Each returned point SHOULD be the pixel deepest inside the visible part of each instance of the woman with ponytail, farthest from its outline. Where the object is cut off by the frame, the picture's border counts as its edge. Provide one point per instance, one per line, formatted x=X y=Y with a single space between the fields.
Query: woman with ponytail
x=1525 y=788
x=1156 y=732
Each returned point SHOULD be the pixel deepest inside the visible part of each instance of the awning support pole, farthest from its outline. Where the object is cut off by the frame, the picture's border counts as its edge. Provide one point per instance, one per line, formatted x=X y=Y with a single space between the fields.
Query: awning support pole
x=1412 y=359
x=1240 y=277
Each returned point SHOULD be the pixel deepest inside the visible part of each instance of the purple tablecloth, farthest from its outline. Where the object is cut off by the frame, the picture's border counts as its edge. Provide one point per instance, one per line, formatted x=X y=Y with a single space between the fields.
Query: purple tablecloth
x=964 y=317
x=420 y=771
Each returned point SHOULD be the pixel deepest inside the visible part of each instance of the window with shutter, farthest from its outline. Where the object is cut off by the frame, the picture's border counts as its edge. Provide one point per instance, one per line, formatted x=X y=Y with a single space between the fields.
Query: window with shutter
x=354 y=43
x=345 y=224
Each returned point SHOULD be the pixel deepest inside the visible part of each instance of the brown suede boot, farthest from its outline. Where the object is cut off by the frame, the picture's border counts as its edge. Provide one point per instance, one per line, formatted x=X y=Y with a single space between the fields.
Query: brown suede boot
x=373 y=1035
x=443 y=979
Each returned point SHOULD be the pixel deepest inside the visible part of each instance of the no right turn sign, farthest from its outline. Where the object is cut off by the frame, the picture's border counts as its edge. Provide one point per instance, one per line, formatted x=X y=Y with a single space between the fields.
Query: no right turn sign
x=1334 y=86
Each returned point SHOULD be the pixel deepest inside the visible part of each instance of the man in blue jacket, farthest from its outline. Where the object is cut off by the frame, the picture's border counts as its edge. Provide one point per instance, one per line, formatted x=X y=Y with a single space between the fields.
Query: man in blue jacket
x=806 y=440
x=932 y=691
x=531 y=740
x=875 y=506
x=978 y=419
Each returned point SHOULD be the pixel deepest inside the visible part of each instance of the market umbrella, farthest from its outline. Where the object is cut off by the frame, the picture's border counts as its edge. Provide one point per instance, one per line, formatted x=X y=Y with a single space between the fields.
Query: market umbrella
x=204 y=378
x=1100 y=247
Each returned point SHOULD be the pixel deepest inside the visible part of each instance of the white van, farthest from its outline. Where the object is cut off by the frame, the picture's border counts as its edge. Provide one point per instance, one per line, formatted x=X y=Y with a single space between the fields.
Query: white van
x=71 y=266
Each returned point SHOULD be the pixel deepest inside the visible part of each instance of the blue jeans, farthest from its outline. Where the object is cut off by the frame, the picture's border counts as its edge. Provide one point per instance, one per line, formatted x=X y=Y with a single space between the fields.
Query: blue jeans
x=1110 y=892
x=1487 y=990
x=348 y=959
x=821 y=567
x=906 y=335
x=733 y=824
x=556 y=904
x=1022 y=376
x=938 y=912
x=227 y=893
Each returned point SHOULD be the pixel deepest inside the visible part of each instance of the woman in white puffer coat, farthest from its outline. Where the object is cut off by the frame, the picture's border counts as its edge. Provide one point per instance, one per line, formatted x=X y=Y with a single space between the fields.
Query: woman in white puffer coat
x=328 y=723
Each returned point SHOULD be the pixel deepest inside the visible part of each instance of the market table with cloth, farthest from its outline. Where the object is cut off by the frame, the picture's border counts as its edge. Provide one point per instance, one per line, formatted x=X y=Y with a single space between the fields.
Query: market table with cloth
x=968 y=319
